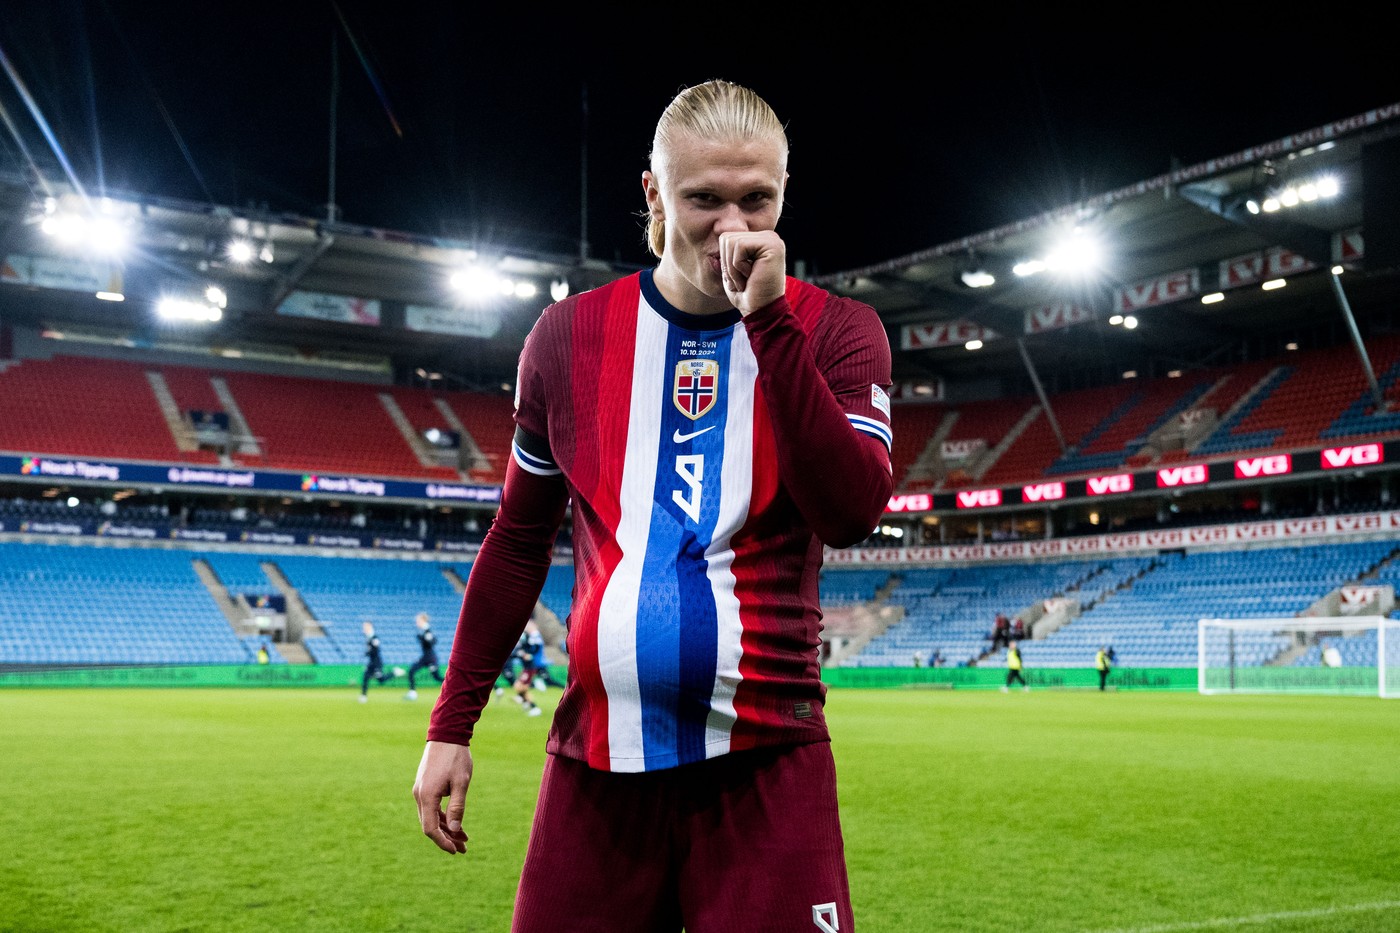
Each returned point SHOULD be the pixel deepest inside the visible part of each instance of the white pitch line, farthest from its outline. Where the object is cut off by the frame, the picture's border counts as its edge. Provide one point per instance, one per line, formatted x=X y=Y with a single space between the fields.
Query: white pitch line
x=1255 y=919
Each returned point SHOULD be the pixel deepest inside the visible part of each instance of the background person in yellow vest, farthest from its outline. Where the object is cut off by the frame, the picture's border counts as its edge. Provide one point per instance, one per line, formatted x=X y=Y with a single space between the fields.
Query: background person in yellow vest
x=1014 y=664
x=1103 y=664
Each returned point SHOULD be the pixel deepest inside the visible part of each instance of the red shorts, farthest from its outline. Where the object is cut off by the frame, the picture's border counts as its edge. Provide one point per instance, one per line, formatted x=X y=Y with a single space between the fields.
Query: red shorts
x=746 y=841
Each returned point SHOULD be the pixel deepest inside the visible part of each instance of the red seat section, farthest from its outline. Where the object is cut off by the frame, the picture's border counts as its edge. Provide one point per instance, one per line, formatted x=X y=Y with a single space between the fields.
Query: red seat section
x=84 y=407
x=321 y=425
x=490 y=420
x=912 y=424
x=987 y=421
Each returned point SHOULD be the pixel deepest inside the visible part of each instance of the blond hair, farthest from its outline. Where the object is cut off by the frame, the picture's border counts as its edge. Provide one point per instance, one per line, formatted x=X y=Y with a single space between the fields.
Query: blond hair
x=715 y=109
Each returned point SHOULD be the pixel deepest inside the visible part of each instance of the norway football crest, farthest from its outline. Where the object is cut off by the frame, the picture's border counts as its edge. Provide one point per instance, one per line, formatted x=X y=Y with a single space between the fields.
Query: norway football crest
x=695 y=387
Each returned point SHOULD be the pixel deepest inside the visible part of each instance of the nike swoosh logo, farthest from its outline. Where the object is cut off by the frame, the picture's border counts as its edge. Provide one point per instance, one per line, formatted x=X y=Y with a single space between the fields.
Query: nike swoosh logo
x=680 y=438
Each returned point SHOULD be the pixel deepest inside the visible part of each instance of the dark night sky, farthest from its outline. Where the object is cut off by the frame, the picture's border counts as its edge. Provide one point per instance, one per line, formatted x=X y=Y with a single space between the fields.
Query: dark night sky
x=904 y=136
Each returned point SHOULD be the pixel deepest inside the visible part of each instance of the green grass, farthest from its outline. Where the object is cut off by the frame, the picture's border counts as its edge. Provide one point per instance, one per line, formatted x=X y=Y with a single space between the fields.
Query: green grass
x=290 y=810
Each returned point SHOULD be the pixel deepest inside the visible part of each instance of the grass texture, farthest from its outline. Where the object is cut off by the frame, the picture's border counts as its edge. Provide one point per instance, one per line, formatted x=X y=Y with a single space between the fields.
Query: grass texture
x=232 y=810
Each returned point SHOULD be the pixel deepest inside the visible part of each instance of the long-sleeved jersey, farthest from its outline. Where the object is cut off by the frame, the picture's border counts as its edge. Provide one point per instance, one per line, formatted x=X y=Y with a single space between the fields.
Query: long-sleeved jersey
x=707 y=460
x=427 y=643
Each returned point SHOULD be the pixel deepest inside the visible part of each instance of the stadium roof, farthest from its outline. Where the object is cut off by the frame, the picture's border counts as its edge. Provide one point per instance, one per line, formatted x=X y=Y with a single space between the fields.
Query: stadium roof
x=1165 y=240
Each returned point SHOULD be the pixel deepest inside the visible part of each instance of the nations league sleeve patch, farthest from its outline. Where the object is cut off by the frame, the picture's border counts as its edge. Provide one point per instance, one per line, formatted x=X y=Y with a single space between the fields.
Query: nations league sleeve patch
x=880 y=399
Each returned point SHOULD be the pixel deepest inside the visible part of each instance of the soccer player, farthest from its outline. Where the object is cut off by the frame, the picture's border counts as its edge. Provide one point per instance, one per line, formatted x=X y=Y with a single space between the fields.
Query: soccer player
x=525 y=673
x=374 y=662
x=427 y=655
x=714 y=423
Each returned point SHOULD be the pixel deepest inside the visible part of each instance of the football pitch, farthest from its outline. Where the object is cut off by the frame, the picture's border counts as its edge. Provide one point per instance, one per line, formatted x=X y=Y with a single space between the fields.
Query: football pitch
x=290 y=810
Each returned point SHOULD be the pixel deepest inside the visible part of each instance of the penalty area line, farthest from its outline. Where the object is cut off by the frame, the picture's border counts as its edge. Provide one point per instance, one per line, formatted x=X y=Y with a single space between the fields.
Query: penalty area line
x=1216 y=923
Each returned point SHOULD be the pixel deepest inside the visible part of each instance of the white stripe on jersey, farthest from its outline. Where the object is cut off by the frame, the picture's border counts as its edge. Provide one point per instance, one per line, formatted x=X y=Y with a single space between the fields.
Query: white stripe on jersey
x=736 y=495
x=872 y=426
x=537 y=465
x=617 y=611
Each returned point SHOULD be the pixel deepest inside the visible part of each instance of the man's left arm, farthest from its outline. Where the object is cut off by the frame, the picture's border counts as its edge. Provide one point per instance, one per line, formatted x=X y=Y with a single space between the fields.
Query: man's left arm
x=827 y=398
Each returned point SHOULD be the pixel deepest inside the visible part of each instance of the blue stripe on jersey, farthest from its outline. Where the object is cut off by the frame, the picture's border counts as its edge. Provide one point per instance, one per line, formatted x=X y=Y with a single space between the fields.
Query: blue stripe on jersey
x=872 y=427
x=676 y=654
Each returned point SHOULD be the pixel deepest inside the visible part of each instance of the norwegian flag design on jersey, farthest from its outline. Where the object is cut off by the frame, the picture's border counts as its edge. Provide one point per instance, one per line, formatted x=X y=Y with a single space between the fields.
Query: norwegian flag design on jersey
x=696 y=381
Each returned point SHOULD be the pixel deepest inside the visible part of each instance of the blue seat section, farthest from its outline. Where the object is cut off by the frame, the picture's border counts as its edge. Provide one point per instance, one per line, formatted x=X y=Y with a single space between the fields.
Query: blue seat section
x=558 y=592
x=342 y=592
x=1153 y=623
x=1355 y=420
x=1223 y=440
x=840 y=587
x=951 y=609
x=241 y=572
x=1109 y=459
x=67 y=604
x=1356 y=650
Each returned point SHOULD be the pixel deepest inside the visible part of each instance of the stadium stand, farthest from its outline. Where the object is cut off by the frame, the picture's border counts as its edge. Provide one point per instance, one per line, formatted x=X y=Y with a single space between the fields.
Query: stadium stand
x=83 y=406
x=61 y=604
x=341 y=593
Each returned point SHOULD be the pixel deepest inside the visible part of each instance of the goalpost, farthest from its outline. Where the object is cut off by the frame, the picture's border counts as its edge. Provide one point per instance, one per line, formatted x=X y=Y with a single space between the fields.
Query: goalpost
x=1349 y=655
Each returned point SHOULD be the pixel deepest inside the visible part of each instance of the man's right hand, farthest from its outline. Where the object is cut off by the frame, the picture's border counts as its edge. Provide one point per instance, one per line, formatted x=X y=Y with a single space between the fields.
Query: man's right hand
x=444 y=771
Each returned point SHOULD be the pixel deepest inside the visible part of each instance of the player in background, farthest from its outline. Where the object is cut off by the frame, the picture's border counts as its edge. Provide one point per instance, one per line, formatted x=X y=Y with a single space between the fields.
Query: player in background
x=525 y=674
x=427 y=655
x=374 y=662
x=714 y=423
x=1015 y=668
x=539 y=659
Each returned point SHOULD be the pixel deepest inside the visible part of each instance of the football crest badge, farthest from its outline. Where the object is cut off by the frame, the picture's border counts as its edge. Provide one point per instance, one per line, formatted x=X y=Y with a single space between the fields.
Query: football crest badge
x=695 y=387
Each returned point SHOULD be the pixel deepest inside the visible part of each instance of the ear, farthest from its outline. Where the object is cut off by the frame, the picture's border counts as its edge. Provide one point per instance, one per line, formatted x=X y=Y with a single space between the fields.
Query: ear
x=651 y=188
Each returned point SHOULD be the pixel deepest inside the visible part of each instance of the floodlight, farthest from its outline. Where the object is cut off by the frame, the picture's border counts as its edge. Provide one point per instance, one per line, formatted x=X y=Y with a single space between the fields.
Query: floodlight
x=110 y=296
x=1273 y=284
x=1212 y=298
x=106 y=236
x=265 y=254
x=978 y=278
x=1116 y=320
x=526 y=290
x=180 y=309
x=240 y=251
x=973 y=344
x=559 y=289
x=1130 y=322
x=216 y=297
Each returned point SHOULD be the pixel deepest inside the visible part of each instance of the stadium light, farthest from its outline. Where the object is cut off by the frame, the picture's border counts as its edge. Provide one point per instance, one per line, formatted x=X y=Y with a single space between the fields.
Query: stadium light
x=973 y=344
x=1212 y=298
x=181 y=309
x=1273 y=284
x=977 y=278
x=110 y=296
x=478 y=283
x=559 y=289
x=240 y=251
x=1130 y=322
x=1078 y=253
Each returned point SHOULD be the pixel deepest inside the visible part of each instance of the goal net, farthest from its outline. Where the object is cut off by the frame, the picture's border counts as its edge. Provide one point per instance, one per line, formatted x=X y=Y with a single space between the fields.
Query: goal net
x=1355 y=655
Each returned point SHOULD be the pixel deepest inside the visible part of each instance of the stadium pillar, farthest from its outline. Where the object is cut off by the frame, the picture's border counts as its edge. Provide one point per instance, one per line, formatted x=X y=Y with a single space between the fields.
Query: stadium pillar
x=1376 y=395
x=1040 y=391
